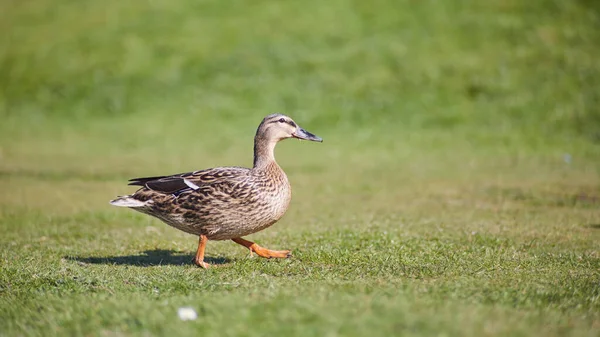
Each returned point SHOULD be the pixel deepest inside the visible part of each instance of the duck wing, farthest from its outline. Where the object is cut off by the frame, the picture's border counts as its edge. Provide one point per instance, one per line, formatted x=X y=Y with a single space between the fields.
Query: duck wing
x=183 y=182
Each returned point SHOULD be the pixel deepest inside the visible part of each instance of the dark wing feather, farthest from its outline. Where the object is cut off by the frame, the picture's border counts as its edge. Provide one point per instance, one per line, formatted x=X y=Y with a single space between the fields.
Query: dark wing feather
x=169 y=185
x=143 y=181
x=176 y=184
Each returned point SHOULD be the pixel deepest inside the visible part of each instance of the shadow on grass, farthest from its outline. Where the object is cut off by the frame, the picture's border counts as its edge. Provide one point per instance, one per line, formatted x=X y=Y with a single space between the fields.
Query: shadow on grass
x=593 y=226
x=154 y=257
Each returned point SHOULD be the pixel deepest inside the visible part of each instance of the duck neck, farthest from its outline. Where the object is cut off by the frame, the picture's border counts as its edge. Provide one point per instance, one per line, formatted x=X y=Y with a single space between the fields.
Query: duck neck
x=264 y=152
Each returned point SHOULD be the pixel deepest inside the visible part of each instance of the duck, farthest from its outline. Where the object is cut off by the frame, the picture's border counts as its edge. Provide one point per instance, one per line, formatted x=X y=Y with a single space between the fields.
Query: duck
x=224 y=203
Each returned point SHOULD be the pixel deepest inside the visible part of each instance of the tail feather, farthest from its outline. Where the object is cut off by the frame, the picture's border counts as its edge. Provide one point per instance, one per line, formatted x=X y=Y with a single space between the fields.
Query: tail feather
x=127 y=201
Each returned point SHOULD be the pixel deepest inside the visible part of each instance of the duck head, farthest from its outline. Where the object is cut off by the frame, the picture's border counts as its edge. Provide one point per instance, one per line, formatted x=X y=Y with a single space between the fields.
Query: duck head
x=272 y=129
x=277 y=127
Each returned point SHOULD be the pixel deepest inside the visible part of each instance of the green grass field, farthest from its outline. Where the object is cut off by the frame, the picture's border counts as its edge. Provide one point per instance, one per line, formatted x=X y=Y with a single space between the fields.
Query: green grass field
x=457 y=192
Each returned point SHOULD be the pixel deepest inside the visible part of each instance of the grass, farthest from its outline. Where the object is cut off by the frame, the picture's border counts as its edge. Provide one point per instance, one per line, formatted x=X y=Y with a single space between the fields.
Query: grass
x=456 y=192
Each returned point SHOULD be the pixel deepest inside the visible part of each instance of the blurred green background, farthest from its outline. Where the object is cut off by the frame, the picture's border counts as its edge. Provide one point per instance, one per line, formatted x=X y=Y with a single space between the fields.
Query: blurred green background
x=493 y=68
x=442 y=121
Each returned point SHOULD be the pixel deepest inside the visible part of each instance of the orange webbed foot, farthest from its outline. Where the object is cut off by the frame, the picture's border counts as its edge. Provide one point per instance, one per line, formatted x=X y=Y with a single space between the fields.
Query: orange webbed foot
x=267 y=253
x=202 y=264
x=263 y=252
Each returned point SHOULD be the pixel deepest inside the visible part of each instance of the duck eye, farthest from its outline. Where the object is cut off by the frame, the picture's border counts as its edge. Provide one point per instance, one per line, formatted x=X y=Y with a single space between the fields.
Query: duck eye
x=282 y=120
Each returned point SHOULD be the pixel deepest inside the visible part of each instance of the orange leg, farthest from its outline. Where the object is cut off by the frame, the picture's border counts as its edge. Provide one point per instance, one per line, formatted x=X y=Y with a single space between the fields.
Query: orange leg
x=260 y=251
x=199 y=259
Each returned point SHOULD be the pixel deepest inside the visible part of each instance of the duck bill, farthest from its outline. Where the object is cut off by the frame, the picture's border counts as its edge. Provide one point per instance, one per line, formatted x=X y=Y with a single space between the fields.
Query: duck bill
x=305 y=135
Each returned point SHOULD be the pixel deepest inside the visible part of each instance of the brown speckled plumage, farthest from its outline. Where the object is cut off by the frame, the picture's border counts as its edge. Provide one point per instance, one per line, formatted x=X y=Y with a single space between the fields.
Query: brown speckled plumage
x=230 y=201
x=224 y=202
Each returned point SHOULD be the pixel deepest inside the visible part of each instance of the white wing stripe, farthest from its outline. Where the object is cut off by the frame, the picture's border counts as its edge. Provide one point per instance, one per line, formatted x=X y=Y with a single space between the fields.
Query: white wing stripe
x=190 y=184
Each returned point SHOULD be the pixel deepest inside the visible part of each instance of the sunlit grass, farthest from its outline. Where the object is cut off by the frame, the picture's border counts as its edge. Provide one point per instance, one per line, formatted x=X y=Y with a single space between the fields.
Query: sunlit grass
x=456 y=192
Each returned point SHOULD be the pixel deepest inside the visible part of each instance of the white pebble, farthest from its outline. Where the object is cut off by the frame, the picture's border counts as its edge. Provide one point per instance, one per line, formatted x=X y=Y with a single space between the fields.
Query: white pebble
x=187 y=314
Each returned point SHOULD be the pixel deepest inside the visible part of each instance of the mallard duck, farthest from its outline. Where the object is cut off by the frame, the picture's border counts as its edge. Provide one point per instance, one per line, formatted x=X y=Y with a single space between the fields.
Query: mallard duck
x=224 y=203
